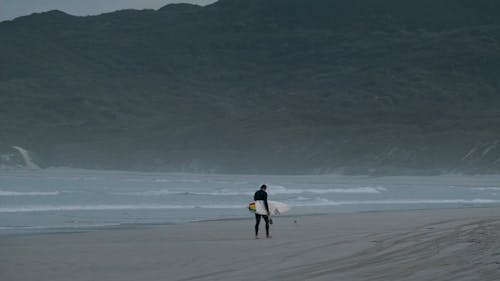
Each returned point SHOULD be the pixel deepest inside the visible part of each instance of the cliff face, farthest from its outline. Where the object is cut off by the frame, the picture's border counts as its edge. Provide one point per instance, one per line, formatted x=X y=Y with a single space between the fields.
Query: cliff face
x=378 y=86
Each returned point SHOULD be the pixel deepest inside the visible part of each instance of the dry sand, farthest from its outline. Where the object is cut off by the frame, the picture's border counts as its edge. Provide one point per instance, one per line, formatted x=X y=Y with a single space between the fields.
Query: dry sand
x=452 y=244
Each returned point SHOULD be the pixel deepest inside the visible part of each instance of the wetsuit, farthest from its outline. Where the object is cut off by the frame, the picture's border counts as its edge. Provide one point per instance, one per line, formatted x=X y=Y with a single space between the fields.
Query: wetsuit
x=261 y=195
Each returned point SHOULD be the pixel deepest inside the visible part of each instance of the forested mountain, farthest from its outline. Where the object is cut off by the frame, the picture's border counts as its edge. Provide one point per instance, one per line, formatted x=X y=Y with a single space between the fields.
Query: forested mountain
x=260 y=86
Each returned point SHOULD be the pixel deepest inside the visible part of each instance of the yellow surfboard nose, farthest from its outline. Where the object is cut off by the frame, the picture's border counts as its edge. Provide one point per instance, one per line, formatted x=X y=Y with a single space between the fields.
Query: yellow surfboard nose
x=252 y=207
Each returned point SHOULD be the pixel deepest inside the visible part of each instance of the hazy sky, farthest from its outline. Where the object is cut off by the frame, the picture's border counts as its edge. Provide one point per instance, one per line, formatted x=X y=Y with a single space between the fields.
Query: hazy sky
x=10 y=9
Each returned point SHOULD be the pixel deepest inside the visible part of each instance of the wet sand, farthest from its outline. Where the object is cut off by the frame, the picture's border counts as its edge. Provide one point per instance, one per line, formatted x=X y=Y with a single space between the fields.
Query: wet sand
x=451 y=244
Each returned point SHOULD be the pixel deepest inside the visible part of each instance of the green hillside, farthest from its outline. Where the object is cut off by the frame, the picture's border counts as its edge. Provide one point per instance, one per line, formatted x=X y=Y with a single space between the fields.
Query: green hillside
x=262 y=86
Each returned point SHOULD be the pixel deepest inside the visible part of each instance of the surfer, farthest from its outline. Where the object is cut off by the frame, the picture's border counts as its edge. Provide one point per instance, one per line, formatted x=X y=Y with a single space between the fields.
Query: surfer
x=261 y=195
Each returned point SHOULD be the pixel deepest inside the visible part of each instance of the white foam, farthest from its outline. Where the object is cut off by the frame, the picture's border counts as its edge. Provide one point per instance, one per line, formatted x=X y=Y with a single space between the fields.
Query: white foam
x=178 y=180
x=51 y=208
x=27 y=158
x=325 y=202
x=356 y=190
x=276 y=190
x=177 y=192
x=486 y=188
x=223 y=193
x=367 y=190
x=28 y=193
x=148 y=193
x=231 y=182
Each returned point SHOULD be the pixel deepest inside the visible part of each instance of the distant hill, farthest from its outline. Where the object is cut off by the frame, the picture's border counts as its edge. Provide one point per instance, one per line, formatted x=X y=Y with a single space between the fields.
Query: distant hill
x=261 y=86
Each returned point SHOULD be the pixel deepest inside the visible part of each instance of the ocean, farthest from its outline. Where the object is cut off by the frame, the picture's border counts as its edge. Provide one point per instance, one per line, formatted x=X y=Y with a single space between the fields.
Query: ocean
x=61 y=199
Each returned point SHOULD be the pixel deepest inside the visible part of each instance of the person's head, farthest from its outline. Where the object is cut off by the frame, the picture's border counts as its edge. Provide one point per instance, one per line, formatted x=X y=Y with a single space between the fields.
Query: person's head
x=263 y=187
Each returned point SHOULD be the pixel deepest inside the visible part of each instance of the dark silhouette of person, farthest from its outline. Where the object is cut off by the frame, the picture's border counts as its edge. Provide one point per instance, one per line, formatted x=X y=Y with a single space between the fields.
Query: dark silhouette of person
x=261 y=195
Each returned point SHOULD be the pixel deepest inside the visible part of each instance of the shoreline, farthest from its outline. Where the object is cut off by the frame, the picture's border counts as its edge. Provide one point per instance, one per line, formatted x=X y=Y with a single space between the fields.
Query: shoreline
x=435 y=244
x=130 y=226
x=48 y=230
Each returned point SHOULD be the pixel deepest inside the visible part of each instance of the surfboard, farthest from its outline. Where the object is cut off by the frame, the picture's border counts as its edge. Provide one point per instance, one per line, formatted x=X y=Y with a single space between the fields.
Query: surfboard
x=275 y=207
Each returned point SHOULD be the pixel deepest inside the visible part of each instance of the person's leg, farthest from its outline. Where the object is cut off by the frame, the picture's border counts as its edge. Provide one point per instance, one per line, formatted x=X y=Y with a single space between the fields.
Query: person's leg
x=266 y=218
x=257 y=222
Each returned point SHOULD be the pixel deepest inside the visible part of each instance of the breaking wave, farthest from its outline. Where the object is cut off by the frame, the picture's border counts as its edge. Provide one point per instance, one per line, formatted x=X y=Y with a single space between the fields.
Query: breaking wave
x=275 y=190
x=28 y=193
x=356 y=190
x=325 y=202
x=26 y=209
x=486 y=188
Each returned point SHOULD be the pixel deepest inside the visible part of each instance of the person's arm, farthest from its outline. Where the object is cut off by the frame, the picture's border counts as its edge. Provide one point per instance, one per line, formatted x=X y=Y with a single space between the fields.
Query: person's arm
x=265 y=204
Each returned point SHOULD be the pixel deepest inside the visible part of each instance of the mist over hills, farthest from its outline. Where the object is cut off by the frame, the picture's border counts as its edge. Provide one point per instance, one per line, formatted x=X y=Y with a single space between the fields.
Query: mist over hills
x=262 y=86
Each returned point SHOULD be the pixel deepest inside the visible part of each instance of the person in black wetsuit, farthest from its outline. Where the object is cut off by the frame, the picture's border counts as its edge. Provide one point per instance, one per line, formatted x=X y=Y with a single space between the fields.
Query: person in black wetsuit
x=261 y=195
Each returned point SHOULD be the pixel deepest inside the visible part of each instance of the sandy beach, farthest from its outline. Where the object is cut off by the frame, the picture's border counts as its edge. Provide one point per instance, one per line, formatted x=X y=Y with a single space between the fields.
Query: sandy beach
x=451 y=244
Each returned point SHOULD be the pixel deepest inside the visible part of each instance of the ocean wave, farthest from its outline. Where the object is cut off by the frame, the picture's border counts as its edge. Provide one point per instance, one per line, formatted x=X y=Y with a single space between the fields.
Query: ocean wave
x=51 y=208
x=325 y=202
x=273 y=191
x=177 y=192
x=486 y=188
x=149 y=193
x=356 y=190
x=278 y=189
x=178 y=180
x=164 y=180
x=28 y=193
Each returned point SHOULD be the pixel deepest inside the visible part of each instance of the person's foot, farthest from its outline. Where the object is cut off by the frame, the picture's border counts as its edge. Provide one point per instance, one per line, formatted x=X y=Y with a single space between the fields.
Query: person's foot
x=269 y=237
x=257 y=237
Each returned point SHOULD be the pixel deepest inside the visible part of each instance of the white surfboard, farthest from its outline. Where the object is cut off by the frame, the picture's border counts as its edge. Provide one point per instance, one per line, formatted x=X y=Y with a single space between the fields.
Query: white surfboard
x=275 y=208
